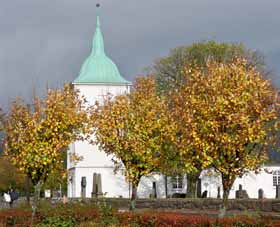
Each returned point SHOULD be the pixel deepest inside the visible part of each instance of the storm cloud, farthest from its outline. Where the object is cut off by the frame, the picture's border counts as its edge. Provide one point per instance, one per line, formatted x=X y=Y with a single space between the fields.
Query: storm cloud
x=43 y=43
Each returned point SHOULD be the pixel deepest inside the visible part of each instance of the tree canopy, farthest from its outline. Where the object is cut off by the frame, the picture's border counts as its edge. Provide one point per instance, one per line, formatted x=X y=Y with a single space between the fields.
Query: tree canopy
x=225 y=116
x=36 y=137
x=170 y=74
x=169 y=70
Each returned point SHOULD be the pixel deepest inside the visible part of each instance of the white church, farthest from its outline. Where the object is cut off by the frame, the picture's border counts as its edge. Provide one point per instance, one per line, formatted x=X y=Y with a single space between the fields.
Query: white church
x=94 y=175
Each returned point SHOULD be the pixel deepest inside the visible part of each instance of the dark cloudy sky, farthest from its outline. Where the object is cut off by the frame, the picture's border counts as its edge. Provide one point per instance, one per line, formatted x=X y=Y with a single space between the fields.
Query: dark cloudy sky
x=44 y=42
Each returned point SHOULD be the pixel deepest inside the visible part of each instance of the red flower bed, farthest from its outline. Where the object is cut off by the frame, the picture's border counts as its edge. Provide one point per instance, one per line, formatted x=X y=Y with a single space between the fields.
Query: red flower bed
x=15 y=218
x=180 y=220
x=80 y=214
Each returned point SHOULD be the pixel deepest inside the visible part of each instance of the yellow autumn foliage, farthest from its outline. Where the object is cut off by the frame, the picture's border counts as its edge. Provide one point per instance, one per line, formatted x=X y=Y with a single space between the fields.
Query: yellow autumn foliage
x=37 y=135
x=225 y=117
x=133 y=127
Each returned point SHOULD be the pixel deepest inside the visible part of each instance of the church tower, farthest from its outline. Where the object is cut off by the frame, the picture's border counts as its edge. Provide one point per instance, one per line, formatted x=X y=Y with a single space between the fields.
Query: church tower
x=98 y=76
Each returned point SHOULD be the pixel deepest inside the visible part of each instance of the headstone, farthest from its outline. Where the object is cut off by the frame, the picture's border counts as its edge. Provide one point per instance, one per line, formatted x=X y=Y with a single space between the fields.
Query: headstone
x=260 y=194
x=96 y=185
x=240 y=187
x=83 y=186
x=204 y=194
x=219 y=192
x=154 y=192
x=241 y=194
x=198 y=188
x=277 y=191
x=99 y=185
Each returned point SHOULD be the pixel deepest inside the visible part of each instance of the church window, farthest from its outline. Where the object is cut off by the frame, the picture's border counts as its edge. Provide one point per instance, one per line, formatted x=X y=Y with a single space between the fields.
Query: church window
x=276 y=177
x=177 y=182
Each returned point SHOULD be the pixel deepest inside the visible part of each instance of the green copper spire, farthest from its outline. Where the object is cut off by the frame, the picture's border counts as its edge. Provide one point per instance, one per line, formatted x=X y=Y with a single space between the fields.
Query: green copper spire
x=98 y=43
x=98 y=68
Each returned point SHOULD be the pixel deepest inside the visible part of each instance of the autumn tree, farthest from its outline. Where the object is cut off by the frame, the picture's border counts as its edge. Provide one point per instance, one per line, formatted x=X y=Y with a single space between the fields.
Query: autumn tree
x=132 y=127
x=169 y=73
x=225 y=117
x=36 y=138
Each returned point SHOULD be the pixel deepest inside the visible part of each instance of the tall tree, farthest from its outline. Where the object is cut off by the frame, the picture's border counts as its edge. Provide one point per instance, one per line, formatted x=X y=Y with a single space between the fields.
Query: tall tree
x=226 y=115
x=35 y=139
x=133 y=127
x=169 y=70
x=169 y=73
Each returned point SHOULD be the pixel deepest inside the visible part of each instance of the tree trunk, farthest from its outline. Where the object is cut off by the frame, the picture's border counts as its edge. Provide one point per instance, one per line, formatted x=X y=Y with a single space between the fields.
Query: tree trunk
x=134 y=194
x=227 y=181
x=192 y=180
x=27 y=189
x=36 y=198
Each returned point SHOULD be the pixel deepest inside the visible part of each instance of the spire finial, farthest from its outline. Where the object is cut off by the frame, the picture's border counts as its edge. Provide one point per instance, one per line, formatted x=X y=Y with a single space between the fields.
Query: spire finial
x=98 y=43
x=97 y=20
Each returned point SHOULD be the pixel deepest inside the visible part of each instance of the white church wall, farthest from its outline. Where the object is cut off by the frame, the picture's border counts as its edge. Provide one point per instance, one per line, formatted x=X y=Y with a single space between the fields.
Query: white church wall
x=113 y=185
x=93 y=160
x=91 y=156
x=97 y=92
x=251 y=182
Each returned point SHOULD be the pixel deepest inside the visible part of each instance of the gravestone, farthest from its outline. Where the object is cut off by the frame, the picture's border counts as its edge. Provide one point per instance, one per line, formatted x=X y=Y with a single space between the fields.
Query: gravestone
x=83 y=186
x=241 y=194
x=96 y=185
x=219 y=192
x=99 y=185
x=154 y=192
x=277 y=191
x=260 y=194
x=204 y=194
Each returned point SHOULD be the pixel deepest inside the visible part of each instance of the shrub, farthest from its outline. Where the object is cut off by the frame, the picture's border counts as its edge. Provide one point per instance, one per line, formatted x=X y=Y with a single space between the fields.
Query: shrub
x=57 y=221
x=107 y=215
x=15 y=218
x=85 y=215
x=164 y=219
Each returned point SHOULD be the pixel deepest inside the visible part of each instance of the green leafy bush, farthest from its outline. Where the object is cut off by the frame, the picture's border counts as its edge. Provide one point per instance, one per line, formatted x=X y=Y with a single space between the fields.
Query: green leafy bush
x=107 y=215
x=57 y=221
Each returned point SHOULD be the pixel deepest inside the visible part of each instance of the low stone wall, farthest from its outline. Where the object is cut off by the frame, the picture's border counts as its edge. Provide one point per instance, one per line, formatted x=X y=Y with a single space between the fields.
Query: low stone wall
x=265 y=205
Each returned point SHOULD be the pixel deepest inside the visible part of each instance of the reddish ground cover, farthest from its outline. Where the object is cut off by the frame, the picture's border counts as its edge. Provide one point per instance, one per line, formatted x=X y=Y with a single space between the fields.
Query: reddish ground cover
x=84 y=214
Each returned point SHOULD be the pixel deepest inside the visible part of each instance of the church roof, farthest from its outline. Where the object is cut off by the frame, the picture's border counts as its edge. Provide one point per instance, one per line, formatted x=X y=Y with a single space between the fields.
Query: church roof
x=98 y=68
